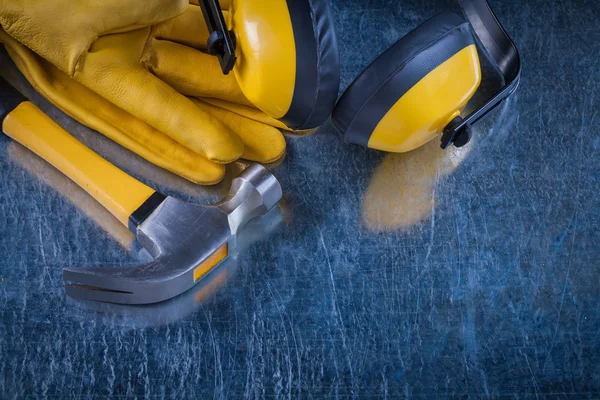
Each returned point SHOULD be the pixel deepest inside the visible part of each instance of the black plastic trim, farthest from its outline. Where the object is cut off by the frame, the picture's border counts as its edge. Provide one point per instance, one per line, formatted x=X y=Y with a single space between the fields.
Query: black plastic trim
x=144 y=211
x=220 y=41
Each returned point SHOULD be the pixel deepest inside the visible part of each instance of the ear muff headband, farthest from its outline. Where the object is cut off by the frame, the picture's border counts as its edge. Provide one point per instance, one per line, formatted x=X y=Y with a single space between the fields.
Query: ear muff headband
x=399 y=70
x=503 y=51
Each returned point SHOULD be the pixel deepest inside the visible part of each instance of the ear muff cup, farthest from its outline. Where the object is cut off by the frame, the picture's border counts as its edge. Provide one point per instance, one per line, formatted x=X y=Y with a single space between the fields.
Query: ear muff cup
x=404 y=69
x=288 y=62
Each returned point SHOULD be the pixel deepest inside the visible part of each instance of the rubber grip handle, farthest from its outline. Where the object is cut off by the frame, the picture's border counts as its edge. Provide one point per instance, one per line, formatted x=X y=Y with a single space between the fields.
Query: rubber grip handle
x=118 y=192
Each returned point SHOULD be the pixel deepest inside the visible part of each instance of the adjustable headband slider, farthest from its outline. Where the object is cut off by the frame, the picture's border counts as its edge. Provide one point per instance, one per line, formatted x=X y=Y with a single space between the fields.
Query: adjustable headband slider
x=505 y=55
x=221 y=42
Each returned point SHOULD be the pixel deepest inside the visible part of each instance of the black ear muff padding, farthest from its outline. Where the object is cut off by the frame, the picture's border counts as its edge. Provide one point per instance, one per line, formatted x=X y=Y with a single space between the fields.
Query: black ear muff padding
x=317 y=64
x=368 y=99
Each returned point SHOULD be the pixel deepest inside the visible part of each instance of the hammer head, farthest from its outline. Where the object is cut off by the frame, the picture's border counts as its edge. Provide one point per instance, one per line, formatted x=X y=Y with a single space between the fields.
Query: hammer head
x=186 y=242
x=218 y=280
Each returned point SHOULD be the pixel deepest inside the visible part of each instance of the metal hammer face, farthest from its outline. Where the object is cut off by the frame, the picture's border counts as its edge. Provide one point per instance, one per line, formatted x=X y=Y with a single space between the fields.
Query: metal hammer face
x=186 y=240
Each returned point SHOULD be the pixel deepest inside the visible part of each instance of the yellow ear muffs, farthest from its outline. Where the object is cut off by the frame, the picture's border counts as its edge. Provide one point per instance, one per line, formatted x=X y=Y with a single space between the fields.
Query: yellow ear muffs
x=287 y=58
x=411 y=92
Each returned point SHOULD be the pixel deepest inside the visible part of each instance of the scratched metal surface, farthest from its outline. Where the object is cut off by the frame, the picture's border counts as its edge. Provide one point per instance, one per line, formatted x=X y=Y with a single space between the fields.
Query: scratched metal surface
x=470 y=273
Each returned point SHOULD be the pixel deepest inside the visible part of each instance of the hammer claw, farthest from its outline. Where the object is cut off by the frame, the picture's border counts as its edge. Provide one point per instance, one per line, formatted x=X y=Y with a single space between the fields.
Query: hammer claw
x=92 y=293
x=124 y=285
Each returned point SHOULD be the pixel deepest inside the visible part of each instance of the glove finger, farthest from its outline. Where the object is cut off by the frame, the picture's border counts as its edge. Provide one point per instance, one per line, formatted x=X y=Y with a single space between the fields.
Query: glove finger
x=262 y=143
x=112 y=69
x=92 y=110
x=256 y=115
x=188 y=28
x=248 y=112
x=177 y=61
x=193 y=73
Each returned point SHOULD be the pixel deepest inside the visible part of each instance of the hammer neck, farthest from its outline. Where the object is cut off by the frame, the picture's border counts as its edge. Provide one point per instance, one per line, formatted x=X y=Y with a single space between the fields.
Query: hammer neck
x=252 y=194
x=241 y=205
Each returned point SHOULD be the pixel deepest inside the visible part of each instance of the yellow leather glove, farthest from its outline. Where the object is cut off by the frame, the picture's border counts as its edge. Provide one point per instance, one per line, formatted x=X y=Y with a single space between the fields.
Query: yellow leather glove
x=133 y=72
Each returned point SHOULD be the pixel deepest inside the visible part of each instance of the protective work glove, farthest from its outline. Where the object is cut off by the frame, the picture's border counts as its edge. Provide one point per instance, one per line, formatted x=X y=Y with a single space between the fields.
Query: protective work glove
x=135 y=72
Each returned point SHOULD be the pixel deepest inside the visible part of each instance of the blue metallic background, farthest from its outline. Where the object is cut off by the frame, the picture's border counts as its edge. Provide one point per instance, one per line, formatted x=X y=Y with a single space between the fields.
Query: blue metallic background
x=467 y=273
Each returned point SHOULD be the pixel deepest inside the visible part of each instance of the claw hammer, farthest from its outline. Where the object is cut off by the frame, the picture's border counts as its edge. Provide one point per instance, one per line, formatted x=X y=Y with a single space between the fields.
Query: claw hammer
x=186 y=240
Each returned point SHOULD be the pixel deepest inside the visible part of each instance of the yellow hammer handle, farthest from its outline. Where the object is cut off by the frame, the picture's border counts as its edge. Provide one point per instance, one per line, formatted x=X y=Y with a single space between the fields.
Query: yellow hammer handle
x=118 y=192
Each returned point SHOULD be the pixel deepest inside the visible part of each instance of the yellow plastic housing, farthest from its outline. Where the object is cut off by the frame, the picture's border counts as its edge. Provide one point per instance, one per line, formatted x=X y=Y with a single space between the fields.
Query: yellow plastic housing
x=266 y=64
x=428 y=107
x=118 y=192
